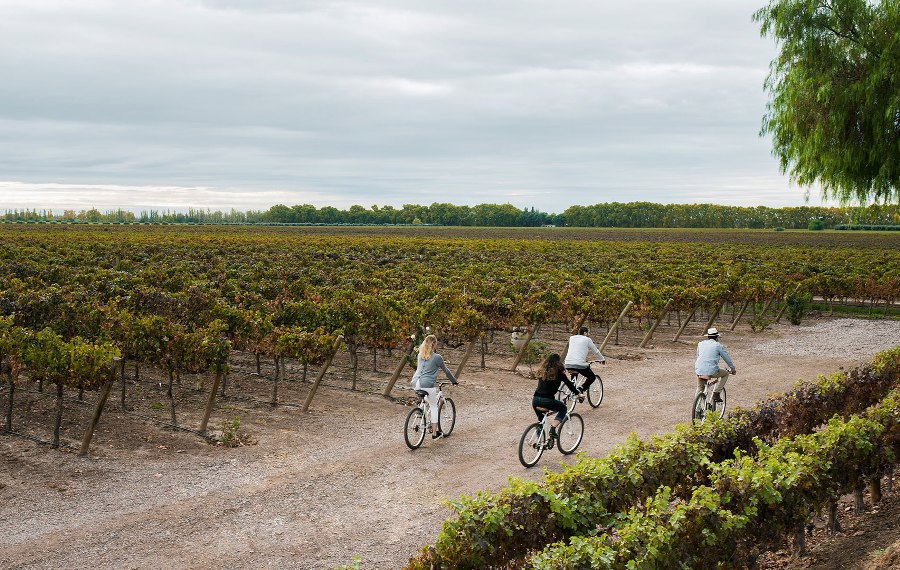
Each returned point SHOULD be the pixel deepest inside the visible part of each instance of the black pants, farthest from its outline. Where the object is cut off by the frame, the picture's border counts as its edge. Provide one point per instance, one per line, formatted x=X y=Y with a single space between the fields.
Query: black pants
x=587 y=373
x=550 y=404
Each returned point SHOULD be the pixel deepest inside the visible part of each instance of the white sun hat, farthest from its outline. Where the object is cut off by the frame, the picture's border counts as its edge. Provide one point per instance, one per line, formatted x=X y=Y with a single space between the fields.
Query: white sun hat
x=712 y=332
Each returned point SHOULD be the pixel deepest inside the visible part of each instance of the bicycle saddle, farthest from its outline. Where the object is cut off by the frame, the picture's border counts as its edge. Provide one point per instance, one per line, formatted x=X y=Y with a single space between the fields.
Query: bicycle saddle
x=421 y=393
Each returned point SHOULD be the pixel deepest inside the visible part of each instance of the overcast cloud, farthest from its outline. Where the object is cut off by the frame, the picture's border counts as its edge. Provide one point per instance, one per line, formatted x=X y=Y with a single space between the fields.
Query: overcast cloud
x=232 y=104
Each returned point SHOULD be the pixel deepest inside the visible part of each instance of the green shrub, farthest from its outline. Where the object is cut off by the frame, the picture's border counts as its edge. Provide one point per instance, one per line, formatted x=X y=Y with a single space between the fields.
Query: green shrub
x=816 y=225
x=797 y=303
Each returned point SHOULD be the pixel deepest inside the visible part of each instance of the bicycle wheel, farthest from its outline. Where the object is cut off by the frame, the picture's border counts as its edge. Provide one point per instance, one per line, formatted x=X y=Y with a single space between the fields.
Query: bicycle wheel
x=414 y=429
x=698 y=411
x=720 y=406
x=595 y=393
x=532 y=444
x=447 y=416
x=570 y=433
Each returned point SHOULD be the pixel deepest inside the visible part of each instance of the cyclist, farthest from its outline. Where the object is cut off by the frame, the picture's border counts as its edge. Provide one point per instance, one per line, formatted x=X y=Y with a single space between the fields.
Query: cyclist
x=707 y=366
x=429 y=362
x=550 y=374
x=580 y=345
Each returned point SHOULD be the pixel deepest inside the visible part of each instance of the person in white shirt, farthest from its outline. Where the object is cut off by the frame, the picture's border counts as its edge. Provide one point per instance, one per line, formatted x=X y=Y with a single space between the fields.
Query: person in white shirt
x=580 y=346
x=707 y=365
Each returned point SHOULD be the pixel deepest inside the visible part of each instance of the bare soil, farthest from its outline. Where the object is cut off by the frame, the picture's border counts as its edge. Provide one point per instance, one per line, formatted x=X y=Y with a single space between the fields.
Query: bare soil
x=311 y=490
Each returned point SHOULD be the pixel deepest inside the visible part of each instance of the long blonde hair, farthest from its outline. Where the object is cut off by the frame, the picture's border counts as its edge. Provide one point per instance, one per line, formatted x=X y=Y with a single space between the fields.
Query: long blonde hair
x=427 y=347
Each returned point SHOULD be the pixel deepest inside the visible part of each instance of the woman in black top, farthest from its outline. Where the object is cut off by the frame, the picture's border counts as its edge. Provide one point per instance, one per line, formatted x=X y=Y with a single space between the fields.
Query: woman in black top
x=550 y=375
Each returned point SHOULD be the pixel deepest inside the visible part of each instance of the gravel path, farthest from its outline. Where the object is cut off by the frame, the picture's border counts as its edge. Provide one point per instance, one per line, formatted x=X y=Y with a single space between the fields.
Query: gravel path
x=849 y=338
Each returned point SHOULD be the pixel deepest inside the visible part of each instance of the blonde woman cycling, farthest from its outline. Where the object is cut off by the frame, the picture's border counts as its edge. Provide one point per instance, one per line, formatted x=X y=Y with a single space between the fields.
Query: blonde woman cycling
x=429 y=362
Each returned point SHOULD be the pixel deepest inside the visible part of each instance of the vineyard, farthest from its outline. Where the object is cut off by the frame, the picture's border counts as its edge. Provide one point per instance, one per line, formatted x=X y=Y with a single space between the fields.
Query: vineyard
x=184 y=328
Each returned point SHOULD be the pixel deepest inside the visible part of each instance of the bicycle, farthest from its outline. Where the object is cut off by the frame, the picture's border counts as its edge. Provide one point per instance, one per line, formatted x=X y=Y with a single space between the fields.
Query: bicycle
x=595 y=391
x=536 y=437
x=418 y=420
x=704 y=402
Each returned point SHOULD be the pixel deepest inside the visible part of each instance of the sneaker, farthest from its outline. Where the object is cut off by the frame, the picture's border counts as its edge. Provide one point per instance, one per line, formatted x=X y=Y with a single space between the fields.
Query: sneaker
x=717 y=398
x=553 y=433
x=437 y=435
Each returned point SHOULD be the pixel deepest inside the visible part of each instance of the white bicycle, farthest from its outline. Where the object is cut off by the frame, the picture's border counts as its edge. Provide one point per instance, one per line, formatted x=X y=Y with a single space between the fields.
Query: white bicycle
x=418 y=420
x=595 y=391
x=536 y=437
x=706 y=402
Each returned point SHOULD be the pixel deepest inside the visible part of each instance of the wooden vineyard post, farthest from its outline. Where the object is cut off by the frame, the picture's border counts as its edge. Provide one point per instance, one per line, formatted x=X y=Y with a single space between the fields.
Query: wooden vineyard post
x=768 y=304
x=712 y=318
x=740 y=314
x=662 y=315
x=784 y=306
x=466 y=356
x=684 y=325
x=312 y=391
x=522 y=350
x=615 y=326
x=399 y=369
x=98 y=408
x=575 y=330
x=211 y=401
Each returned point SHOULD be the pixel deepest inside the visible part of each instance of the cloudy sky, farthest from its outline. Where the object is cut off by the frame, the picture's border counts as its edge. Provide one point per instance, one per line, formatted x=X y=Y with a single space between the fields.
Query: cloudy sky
x=244 y=104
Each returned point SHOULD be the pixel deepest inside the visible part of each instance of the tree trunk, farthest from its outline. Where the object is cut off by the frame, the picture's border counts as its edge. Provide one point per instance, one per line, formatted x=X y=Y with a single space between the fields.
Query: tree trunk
x=122 y=364
x=800 y=540
x=859 y=504
x=274 y=401
x=354 y=363
x=80 y=394
x=172 y=396
x=41 y=385
x=305 y=369
x=374 y=359
x=258 y=365
x=834 y=524
x=875 y=489
x=9 y=403
x=224 y=383
x=484 y=345
x=59 y=409
x=137 y=371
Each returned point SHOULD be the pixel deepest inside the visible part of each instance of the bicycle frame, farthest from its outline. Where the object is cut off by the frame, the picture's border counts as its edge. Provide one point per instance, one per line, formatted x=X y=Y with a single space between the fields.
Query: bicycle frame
x=709 y=403
x=578 y=379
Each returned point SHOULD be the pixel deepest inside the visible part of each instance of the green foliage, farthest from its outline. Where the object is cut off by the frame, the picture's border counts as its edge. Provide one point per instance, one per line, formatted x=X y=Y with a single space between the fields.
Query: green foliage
x=229 y=432
x=816 y=225
x=534 y=352
x=797 y=303
x=748 y=502
x=355 y=564
x=493 y=528
x=835 y=95
x=760 y=323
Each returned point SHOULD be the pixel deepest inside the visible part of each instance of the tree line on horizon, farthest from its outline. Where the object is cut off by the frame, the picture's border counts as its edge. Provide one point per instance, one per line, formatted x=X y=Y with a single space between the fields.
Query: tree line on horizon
x=610 y=214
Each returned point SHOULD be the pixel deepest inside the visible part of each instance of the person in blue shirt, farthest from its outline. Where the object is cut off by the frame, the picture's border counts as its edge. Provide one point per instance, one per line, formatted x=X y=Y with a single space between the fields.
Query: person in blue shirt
x=709 y=352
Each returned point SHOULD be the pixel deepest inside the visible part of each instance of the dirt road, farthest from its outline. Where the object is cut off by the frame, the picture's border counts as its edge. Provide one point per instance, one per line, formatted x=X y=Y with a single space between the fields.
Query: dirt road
x=318 y=488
